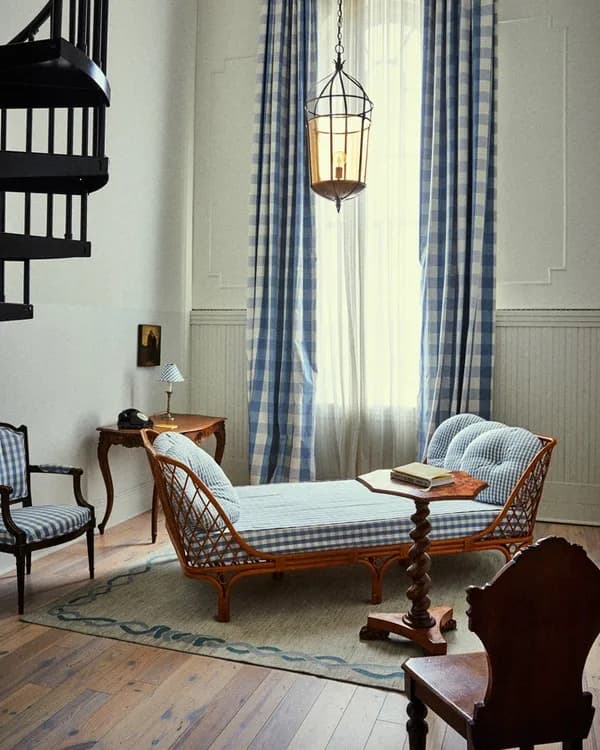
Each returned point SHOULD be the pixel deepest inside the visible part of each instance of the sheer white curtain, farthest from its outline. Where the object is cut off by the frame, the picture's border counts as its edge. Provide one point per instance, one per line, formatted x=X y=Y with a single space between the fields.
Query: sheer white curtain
x=368 y=274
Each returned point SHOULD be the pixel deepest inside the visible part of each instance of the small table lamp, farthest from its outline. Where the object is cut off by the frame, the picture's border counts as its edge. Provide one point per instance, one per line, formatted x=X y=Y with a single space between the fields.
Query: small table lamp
x=170 y=374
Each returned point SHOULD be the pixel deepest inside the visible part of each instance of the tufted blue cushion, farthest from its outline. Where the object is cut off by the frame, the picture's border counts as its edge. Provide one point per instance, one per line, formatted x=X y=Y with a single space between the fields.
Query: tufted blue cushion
x=499 y=457
x=182 y=449
x=13 y=471
x=463 y=439
x=441 y=438
x=45 y=522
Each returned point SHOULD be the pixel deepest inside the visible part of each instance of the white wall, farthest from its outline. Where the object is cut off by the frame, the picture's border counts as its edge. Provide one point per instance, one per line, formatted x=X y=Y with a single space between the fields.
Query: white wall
x=225 y=107
x=73 y=367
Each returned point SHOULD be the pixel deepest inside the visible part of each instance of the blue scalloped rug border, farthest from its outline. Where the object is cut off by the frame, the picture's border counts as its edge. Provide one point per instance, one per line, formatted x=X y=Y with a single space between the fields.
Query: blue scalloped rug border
x=71 y=615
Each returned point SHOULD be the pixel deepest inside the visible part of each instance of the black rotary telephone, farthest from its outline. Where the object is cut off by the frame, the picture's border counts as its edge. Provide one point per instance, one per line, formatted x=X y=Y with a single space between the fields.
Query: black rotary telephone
x=132 y=419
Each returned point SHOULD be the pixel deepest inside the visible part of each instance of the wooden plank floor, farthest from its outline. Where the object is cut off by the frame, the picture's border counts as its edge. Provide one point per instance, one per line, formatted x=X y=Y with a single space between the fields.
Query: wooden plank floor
x=62 y=690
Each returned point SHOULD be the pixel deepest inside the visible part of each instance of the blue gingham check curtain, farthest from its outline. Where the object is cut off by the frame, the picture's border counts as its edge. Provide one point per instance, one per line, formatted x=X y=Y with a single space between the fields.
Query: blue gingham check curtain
x=282 y=293
x=457 y=223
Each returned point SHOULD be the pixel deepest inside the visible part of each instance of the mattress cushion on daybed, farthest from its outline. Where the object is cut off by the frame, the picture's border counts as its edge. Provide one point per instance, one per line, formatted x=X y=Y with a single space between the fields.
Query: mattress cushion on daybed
x=311 y=516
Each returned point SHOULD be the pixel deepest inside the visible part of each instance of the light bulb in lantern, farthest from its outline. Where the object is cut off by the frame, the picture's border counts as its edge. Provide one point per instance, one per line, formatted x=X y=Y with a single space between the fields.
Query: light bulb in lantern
x=340 y=160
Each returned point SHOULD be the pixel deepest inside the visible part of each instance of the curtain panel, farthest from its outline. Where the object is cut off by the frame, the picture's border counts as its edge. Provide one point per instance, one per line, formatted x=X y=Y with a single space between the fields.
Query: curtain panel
x=281 y=286
x=368 y=287
x=457 y=223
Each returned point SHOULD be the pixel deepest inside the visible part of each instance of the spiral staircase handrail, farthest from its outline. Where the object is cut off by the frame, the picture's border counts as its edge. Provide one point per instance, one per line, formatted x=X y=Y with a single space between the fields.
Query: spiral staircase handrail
x=29 y=32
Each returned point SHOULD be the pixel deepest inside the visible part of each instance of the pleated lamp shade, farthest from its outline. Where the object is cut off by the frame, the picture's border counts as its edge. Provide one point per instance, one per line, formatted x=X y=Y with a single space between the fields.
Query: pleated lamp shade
x=170 y=374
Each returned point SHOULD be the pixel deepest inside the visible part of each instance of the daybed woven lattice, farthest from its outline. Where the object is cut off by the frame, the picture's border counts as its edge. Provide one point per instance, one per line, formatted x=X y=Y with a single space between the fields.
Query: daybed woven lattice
x=320 y=524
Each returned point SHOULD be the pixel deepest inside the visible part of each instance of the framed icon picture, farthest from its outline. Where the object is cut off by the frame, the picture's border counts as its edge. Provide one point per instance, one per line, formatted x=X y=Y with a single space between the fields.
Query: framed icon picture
x=148 y=345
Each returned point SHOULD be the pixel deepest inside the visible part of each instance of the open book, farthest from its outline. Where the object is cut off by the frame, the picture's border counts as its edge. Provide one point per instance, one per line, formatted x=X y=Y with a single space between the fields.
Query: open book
x=421 y=475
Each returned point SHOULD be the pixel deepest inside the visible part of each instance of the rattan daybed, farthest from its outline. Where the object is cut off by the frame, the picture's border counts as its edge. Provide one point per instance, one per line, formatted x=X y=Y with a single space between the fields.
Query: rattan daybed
x=286 y=527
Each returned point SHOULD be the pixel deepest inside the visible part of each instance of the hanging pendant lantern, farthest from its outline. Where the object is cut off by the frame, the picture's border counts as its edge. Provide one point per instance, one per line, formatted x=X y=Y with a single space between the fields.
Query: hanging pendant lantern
x=338 y=119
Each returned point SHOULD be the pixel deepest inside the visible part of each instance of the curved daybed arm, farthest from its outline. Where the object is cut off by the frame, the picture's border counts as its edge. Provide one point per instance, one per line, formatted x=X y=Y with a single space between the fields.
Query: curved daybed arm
x=199 y=527
x=518 y=515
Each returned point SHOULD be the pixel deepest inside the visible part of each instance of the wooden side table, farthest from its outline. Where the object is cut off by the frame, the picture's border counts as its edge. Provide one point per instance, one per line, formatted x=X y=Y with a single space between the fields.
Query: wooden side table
x=196 y=426
x=421 y=624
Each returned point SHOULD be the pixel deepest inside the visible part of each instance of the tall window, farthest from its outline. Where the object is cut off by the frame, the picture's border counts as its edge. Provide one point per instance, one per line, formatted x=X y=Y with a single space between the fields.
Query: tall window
x=368 y=299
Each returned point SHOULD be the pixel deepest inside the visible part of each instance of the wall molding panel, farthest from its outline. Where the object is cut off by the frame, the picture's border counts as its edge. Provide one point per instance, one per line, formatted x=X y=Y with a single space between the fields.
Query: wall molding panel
x=224 y=144
x=548 y=162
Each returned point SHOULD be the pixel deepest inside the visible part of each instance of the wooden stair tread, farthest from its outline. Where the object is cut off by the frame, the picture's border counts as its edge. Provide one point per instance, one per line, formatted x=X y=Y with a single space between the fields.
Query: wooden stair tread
x=15 y=311
x=50 y=73
x=33 y=247
x=33 y=172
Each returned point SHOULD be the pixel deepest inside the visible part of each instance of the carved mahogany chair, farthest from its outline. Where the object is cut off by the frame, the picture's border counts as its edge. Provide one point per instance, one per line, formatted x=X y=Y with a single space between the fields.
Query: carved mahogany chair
x=537 y=620
x=28 y=528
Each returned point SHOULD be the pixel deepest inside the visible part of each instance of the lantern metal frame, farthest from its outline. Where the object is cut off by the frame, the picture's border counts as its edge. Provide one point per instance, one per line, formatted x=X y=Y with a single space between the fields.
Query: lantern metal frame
x=346 y=108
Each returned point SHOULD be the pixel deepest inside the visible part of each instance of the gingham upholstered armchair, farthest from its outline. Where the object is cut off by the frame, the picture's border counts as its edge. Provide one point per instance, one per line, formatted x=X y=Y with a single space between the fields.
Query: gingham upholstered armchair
x=29 y=527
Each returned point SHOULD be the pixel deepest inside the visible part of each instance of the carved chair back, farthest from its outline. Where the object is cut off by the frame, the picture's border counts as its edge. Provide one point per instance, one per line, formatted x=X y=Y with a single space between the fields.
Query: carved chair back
x=537 y=619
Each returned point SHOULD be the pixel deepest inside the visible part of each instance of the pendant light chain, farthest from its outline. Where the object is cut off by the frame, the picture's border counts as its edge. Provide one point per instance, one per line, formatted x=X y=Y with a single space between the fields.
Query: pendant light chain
x=339 y=47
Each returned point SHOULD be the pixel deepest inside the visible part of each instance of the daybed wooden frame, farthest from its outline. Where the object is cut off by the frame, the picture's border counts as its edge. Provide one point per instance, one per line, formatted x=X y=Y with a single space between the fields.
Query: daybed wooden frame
x=217 y=553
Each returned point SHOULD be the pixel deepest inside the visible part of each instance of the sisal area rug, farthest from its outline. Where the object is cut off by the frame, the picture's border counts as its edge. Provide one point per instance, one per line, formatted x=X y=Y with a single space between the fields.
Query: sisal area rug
x=306 y=621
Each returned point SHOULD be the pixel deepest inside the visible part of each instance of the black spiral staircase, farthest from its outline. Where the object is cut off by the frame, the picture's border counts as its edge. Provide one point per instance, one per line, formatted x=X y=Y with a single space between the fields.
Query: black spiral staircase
x=55 y=90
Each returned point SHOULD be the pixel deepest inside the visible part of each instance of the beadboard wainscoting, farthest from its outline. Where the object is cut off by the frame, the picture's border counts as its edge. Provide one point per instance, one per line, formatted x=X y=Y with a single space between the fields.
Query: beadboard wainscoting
x=546 y=379
x=218 y=382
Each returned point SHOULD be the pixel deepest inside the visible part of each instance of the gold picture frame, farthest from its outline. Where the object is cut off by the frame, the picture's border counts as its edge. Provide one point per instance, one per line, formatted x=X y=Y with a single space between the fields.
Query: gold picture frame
x=148 y=345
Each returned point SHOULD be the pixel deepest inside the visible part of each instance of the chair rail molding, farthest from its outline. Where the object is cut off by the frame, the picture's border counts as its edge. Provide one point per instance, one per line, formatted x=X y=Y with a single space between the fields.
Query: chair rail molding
x=230 y=317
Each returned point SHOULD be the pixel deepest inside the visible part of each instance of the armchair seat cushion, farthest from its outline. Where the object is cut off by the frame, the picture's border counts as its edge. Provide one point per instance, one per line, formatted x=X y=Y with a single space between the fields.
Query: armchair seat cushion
x=45 y=522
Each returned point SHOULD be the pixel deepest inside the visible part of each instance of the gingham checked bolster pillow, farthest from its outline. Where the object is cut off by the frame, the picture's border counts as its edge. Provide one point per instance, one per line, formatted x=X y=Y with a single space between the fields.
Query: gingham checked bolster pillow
x=45 y=522
x=499 y=457
x=182 y=449
x=441 y=438
x=461 y=441
x=13 y=471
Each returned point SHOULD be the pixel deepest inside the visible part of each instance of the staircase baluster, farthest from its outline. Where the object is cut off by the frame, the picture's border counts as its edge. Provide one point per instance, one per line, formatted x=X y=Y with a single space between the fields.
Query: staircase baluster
x=82 y=24
x=69 y=198
x=95 y=131
x=103 y=53
x=83 y=218
x=50 y=198
x=56 y=19
x=85 y=132
x=96 y=43
x=27 y=218
x=101 y=130
x=72 y=20
x=88 y=30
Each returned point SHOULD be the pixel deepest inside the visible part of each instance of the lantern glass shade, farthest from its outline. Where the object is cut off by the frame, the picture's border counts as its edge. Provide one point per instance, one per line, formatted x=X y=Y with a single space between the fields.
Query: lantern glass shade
x=338 y=121
x=338 y=148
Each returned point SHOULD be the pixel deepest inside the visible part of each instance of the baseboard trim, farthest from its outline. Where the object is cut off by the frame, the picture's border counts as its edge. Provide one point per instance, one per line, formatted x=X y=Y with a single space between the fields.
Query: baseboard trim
x=566 y=502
